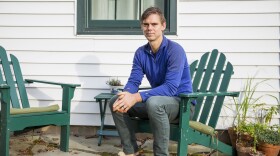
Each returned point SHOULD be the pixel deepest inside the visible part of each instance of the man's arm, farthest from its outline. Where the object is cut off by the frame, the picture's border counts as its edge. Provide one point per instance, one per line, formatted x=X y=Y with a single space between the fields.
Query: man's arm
x=175 y=68
x=136 y=75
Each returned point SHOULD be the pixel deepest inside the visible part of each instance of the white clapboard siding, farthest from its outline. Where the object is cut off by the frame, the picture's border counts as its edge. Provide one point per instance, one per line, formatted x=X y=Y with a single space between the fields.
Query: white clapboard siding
x=236 y=58
x=83 y=107
x=108 y=70
x=74 y=57
x=241 y=58
x=245 y=46
x=9 y=32
x=116 y=70
x=73 y=45
x=227 y=33
x=87 y=82
x=77 y=69
x=229 y=6
x=37 y=7
x=36 y=20
x=232 y=20
x=85 y=44
x=55 y=93
x=42 y=34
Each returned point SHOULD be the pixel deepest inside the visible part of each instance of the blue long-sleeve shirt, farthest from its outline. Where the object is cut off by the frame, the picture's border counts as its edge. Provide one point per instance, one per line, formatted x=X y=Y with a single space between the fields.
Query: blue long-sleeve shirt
x=167 y=70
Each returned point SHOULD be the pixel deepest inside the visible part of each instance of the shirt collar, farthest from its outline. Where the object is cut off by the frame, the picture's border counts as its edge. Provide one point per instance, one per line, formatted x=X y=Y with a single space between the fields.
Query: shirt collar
x=163 y=44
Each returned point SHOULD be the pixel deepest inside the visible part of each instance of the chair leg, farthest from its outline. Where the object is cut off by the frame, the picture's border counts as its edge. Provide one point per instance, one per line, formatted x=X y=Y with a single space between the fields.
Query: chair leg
x=5 y=141
x=182 y=149
x=64 y=138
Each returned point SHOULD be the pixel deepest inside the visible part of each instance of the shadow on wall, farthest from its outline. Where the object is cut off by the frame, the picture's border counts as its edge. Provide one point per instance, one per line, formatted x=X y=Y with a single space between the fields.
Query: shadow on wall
x=86 y=110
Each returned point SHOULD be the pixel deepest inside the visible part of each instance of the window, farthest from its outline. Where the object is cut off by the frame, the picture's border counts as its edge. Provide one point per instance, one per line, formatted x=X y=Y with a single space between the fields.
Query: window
x=120 y=17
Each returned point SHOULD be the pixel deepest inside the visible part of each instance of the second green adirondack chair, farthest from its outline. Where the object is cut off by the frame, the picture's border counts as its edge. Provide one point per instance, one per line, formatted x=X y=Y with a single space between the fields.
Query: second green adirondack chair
x=21 y=115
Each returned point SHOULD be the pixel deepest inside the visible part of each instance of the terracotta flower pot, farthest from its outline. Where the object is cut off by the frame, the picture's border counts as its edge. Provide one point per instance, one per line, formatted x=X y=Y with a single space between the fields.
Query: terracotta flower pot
x=115 y=89
x=232 y=136
x=242 y=150
x=269 y=149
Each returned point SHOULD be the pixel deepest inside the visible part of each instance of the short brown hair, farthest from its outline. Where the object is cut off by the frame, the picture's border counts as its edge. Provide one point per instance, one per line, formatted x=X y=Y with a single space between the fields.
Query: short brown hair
x=152 y=10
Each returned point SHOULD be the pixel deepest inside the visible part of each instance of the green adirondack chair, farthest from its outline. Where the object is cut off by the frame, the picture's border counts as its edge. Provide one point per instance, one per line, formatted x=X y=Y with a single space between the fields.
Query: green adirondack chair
x=19 y=115
x=211 y=76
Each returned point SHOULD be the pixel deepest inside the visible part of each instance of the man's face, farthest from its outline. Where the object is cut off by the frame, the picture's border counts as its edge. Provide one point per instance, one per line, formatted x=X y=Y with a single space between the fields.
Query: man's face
x=153 y=28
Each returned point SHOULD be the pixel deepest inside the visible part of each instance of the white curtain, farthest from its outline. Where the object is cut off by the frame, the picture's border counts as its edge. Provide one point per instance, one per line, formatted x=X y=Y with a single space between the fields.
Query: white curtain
x=121 y=9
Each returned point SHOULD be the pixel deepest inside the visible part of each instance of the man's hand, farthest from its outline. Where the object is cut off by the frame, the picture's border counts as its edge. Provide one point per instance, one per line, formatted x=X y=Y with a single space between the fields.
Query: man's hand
x=125 y=101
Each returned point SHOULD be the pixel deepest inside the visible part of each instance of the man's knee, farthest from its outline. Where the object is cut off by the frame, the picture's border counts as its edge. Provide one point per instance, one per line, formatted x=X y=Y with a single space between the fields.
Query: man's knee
x=153 y=104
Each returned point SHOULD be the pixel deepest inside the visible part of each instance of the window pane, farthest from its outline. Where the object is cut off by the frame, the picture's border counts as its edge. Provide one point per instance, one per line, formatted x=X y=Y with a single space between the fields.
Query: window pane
x=148 y=3
x=121 y=9
x=102 y=9
x=127 y=9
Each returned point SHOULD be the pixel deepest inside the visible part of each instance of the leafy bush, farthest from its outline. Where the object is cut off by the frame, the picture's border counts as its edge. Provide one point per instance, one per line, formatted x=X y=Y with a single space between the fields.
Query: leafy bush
x=114 y=82
x=268 y=134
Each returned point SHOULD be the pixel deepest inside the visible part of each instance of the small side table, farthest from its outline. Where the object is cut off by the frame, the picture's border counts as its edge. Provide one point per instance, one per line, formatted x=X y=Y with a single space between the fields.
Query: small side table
x=103 y=98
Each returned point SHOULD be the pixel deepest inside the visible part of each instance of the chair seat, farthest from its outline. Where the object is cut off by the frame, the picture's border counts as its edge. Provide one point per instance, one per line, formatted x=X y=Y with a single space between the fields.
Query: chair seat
x=203 y=128
x=51 y=108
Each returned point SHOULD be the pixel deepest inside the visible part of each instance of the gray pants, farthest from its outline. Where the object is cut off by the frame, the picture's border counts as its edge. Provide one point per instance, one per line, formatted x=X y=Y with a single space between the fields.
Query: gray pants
x=160 y=110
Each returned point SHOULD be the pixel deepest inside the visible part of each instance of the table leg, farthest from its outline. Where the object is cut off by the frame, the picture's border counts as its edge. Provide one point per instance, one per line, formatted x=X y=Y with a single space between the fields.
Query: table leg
x=102 y=118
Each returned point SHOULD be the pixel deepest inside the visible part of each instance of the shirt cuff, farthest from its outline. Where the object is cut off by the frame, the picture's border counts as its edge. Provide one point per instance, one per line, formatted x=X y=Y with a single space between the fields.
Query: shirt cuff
x=144 y=95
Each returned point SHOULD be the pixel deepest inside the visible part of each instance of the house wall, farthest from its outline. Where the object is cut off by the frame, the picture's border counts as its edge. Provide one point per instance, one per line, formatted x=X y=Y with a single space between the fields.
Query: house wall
x=42 y=34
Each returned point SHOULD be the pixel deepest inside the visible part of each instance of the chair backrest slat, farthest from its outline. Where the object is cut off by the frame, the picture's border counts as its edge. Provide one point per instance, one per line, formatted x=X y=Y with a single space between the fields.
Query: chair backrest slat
x=214 y=83
x=219 y=100
x=212 y=73
x=9 y=77
x=1 y=77
x=20 y=82
x=193 y=67
x=15 y=82
x=199 y=71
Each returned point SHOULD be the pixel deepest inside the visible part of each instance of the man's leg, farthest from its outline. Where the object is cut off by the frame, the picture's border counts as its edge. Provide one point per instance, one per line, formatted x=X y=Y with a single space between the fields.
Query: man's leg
x=162 y=110
x=125 y=125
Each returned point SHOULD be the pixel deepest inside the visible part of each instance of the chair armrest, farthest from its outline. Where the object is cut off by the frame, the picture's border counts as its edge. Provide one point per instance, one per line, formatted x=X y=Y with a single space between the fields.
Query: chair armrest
x=4 y=86
x=53 y=83
x=202 y=94
x=67 y=93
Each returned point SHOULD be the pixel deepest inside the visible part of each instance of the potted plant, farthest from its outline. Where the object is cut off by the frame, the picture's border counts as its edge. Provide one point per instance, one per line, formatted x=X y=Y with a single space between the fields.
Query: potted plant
x=268 y=137
x=243 y=134
x=241 y=127
x=115 y=85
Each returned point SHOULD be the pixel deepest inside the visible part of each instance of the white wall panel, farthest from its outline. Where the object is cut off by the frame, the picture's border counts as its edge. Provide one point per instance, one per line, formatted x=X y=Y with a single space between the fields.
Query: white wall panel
x=265 y=85
x=87 y=82
x=76 y=69
x=36 y=32
x=245 y=46
x=230 y=20
x=74 y=57
x=265 y=72
x=36 y=20
x=48 y=44
x=72 y=45
x=77 y=45
x=29 y=7
x=55 y=94
x=229 y=6
x=229 y=33
x=241 y=58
